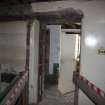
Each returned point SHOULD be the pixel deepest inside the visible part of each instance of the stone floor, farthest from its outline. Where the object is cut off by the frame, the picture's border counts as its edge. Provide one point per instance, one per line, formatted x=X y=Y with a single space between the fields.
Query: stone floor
x=53 y=97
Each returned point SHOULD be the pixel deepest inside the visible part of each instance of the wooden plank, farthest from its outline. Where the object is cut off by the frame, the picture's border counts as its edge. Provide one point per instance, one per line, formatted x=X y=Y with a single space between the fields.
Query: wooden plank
x=16 y=90
x=93 y=95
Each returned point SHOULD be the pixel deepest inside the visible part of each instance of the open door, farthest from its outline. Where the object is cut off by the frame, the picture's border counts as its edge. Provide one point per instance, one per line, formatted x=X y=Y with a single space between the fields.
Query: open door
x=67 y=62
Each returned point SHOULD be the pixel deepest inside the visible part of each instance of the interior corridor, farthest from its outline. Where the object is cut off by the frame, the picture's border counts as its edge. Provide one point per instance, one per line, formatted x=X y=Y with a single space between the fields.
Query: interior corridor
x=52 y=52
x=52 y=96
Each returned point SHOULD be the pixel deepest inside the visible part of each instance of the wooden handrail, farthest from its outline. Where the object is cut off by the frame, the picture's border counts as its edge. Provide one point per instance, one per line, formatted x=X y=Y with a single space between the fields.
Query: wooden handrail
x=16 y=90
x=95 y=94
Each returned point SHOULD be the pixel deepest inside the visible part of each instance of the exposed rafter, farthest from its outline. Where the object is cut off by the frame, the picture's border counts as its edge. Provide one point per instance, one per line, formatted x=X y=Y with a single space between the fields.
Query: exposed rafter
x=62 y=16
x=65 y=16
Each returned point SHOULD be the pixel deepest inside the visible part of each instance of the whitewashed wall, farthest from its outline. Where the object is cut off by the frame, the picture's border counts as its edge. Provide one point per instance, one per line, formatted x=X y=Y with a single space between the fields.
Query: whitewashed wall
x=55 y=31
x=13 y=45
x=33 y=67
x=92 y=64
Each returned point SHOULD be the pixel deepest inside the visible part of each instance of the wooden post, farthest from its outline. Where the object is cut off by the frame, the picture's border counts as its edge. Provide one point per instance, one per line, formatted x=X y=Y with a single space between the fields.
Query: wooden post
x=41 y=61
x=27 y=60
x=76 y=94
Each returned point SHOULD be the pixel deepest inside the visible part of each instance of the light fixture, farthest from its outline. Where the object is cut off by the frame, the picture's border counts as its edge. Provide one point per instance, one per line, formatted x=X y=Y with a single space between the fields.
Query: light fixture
x=90 y=41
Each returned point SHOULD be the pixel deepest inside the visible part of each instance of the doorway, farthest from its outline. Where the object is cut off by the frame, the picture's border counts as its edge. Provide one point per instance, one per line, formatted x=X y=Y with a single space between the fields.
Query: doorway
x=70 y=23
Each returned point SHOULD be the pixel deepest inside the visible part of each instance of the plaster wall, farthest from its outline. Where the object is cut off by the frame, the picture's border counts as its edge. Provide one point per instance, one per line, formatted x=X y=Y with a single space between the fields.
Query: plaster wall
x=13 y=45
x=55 y=31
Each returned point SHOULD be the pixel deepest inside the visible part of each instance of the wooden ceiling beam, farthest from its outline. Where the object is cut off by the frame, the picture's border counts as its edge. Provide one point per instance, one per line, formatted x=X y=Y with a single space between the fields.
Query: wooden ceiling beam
x=54 y=17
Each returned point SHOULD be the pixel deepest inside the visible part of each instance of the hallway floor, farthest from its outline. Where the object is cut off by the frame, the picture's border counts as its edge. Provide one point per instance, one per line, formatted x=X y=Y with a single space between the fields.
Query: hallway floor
x=52 y=96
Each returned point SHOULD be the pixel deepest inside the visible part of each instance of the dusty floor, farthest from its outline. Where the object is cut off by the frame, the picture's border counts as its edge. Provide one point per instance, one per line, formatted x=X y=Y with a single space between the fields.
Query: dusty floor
x=53 y=97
